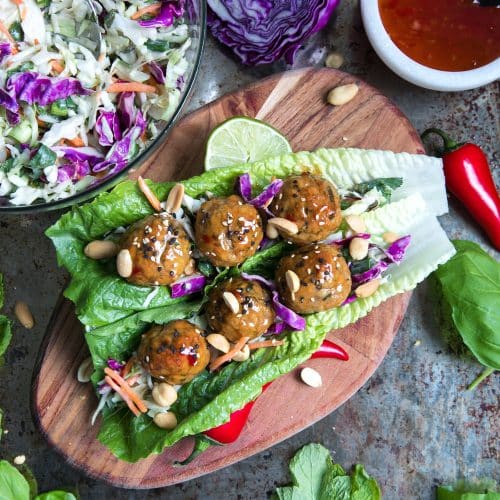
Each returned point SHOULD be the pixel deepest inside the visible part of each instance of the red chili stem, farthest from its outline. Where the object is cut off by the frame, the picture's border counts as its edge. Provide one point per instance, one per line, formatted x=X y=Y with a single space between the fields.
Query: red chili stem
x=469 y=178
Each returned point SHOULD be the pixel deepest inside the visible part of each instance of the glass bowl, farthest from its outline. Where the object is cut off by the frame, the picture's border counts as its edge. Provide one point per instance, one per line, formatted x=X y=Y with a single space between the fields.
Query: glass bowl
x=196 y=13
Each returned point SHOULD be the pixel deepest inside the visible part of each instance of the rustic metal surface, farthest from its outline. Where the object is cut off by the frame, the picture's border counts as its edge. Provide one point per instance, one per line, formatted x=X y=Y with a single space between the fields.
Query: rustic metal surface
x=413 y=425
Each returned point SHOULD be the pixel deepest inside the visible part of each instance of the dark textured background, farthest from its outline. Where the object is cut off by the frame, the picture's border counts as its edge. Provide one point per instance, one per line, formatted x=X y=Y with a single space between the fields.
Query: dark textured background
x=412 y=425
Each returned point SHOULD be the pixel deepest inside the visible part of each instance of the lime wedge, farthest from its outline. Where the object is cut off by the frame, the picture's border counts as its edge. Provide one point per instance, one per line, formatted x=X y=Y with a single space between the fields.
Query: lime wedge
x=243 y=140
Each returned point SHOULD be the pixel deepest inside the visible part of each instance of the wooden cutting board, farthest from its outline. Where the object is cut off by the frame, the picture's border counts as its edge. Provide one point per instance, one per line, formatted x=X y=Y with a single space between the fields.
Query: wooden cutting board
x=294 y=103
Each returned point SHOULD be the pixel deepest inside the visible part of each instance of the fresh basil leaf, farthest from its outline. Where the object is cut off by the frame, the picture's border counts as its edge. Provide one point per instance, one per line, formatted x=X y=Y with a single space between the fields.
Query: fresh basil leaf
x=484 y=489
x=384 y=185
x=206 y=268
x=5 y=326
x=469 y=287
x=56 y=495
x=363 y=487
x=13 y=486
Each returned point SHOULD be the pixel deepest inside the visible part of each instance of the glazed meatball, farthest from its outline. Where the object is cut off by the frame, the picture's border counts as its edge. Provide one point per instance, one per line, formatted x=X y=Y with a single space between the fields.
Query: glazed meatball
x=325 y=280
x=312 y=203
x=175 y=352
x=160 y=250
x=228 y=231
x=255 y=316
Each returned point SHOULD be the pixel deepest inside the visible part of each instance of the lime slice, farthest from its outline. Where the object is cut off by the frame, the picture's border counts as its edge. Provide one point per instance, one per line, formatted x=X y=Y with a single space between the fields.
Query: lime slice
x=242 y=140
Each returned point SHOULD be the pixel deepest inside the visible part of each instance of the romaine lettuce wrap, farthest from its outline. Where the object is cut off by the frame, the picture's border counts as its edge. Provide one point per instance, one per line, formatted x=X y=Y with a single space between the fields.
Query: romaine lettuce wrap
x=390 y=194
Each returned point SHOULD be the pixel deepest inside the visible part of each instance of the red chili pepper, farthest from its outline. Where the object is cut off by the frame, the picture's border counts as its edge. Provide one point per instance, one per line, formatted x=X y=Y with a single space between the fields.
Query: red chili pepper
x=330 y=350
x=469 y=178
x=230 y=431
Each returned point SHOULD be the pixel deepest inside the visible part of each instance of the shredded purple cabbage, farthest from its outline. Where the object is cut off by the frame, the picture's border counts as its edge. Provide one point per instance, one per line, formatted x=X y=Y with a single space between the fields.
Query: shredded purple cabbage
x=8 y=102
x=291 y=318
x=73 y=172
x=276 y=328
x=344 y=241
x=371 y=274
x=349 y=300
x=188 y=285
x=256 y=277
x=244 y=186
x=157 y=72
x=396 y=251
x=13 y=117
x=107 y=127
x=263 y=31
x=82 y=154
x=267 y=194
x=126 y=109
x=168 y=13
x=34 y=88
x=5 y=50
x=115 y=365
x=119 y=153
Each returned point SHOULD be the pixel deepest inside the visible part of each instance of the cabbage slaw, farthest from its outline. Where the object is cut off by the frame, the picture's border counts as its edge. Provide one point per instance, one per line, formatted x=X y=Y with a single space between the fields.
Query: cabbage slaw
x=75 y=109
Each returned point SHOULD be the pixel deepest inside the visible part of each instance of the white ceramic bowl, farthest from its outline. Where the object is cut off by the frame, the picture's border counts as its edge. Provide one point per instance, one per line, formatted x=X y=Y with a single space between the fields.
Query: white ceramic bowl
x=417 y=73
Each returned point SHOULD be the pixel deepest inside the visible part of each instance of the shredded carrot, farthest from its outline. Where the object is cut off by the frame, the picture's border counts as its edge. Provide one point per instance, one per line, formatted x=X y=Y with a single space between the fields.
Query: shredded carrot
x=23 y=13
x=6 y=32
x=229 y=355
x=154 y=8
x=128 y=366
x=18 y=2
x=131 y=87
x=42 y=124
x=100 y=57
x=265 y=343
x=126 y=388
x=56 y=66
x=124 y=396
x=77 y=142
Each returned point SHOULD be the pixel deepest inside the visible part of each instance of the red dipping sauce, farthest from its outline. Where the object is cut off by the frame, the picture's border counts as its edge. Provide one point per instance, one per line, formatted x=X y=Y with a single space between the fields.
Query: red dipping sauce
x=450 y=35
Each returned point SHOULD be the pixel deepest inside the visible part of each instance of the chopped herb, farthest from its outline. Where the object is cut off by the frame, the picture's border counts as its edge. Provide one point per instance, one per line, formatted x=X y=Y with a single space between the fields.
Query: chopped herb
x=385 y=185
x=16 y=31
x=43 y=158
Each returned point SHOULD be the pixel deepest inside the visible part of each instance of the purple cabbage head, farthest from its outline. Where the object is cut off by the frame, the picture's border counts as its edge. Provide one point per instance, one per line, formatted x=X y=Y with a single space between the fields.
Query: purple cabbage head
x=168 y=13
x=263 y=31
x=107 y=127
x=34 y=88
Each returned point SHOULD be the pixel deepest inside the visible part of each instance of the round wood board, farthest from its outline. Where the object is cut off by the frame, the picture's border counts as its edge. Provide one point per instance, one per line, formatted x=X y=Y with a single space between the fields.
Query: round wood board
x=294 y=103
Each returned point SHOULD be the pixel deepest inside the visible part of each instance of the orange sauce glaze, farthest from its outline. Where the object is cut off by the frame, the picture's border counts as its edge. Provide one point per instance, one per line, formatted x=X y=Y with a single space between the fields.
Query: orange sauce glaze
x=450 y=35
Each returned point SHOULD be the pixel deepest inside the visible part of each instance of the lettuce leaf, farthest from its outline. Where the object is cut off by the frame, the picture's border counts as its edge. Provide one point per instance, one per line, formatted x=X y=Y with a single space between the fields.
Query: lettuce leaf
x=101 y=297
